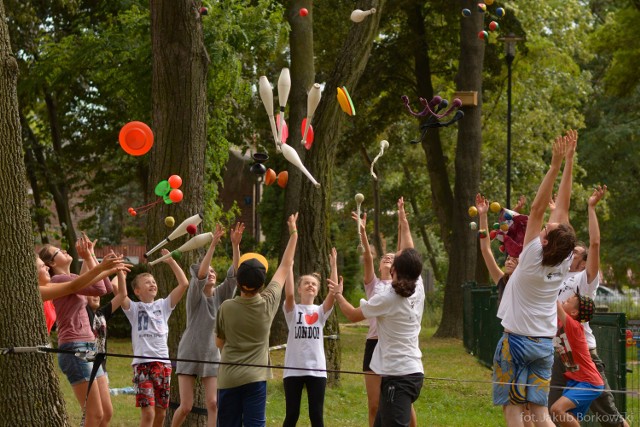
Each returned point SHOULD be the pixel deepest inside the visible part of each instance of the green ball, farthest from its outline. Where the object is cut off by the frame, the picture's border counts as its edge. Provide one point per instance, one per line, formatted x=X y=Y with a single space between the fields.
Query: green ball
x=176 y=254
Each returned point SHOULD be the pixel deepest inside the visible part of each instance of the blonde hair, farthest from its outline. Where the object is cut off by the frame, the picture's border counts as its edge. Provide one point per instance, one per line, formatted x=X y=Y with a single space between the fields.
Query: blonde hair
x=315 y=276
x=140 y=276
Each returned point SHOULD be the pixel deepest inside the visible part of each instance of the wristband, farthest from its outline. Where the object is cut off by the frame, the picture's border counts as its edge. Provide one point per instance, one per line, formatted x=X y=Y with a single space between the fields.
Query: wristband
x=292 y=232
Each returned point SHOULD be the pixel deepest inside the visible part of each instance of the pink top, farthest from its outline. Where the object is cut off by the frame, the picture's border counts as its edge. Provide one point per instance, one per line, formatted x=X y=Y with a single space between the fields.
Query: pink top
x=73 y=320
x=372 y=288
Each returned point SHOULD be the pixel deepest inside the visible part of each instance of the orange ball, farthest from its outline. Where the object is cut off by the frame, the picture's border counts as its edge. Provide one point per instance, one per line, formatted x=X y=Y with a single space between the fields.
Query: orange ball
x=175 y=181
x=175 y=195
x=283 y=177
x=270 y=176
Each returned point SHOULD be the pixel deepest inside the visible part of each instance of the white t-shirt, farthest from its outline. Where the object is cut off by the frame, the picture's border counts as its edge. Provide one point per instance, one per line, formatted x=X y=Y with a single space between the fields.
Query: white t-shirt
x=398 y=352
x=528 y=306
x=305 y=344
x=571 y=284
x=374 y=287
x=149 y=329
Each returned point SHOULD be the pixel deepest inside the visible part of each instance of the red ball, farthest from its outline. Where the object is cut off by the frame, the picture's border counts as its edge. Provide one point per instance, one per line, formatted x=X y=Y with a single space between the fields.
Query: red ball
x=175 y=181
x=204 y=11
x=191 y=229
x=175 y=195
x=493 y=25
x=304 y=12
x=483 y=35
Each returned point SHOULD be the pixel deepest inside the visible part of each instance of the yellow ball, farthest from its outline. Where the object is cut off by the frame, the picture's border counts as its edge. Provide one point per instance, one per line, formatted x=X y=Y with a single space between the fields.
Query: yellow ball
x=488 y=2
x=473 y=211
x=495 y=207
x=504 y=226
x=169 y=221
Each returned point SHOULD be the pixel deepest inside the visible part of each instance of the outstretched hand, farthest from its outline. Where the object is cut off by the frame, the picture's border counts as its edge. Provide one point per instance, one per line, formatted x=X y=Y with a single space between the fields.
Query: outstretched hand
x=236 y=234
x=335 y=288
x=571 y=139
x=482 y=204
x=521 y=202
x=597 y=195
x=291 y=223
x=362 y=221
x=559 y=151
x=217 y=234
x=402 y=215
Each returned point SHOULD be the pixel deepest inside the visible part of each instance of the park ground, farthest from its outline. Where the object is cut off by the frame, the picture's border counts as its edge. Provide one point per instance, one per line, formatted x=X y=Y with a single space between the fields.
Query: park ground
x=444 y=401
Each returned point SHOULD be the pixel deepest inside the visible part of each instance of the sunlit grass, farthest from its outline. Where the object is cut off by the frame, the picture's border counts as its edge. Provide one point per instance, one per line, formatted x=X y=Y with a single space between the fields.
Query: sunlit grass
x=443 y=401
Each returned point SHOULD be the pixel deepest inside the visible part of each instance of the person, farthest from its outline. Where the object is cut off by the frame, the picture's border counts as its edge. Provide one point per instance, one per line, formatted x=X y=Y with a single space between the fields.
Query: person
x=198 y=341
x=98 y=318
x=398 y=311
x=110 y=265
x=149 y=319
x=242 y=328
x=499 y=277
x=375 y=285
x=74 y=330
x=584 y=277
x=524 y=355
x=584 y=383
x=305 y=345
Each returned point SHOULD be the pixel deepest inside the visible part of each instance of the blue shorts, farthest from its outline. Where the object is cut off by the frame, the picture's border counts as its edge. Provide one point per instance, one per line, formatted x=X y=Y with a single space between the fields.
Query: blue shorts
x=581 y=398
x=76 y=369
x=522 y=370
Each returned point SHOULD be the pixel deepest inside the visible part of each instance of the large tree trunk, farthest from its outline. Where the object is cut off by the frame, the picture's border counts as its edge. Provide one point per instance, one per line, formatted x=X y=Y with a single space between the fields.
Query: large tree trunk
x=314 y=204
x=462 y=244
x=39 y=211
x=179 y=93
x=29 y=389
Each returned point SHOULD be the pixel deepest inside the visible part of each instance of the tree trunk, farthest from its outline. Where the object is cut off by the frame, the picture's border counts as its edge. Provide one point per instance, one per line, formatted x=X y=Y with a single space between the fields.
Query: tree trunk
x=39 y=211
x=462 y=247
x=314 y=204
x=179 y=94
x=29 y=389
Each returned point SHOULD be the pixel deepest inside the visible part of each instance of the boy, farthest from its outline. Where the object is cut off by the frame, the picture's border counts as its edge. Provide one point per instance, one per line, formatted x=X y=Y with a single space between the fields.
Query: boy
x=584 y=383
x=242 y=329
x=149 y=332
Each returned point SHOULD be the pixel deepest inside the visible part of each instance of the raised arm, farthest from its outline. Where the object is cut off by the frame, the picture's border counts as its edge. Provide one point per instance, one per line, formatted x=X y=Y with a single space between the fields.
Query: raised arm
x=482 y=205
x=236 y=238
x=593 y=257
x=333 y=275
x=183 y=284
x=406 y=241
x=110 y=265
x=117 y=301
x=203 y=270
x=539 y=205
x=287 y=257
x=563 y=199
x=522 y=200
x=289 y=291
x=367 y=256
x=350 y=312
x=562 y=316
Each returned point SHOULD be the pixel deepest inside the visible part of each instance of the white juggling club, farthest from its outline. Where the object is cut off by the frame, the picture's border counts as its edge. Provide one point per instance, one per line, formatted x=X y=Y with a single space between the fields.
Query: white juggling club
x=180 y=230
x=384 y=144
x=313 y=99
x=284 y=86
x=359 y=199
x=266 y=94
x=292 y=156
x=359 y=15
x=194 y=243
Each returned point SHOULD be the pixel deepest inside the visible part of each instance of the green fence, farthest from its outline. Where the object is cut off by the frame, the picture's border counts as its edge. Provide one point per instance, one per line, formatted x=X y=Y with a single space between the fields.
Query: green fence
x=482 y=331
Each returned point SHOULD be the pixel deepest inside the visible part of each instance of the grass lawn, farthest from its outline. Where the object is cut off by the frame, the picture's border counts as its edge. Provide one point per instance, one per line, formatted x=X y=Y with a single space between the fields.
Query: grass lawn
x=441 y=403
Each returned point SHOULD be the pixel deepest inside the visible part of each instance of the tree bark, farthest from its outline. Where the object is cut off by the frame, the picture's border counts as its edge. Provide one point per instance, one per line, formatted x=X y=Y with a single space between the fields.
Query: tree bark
x=29 y=389
x=31 y=164
x=179 y=94
x=314 y=204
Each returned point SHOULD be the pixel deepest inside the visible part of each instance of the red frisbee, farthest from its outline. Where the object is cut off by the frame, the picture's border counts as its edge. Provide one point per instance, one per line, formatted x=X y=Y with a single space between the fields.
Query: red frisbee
x=136 y=138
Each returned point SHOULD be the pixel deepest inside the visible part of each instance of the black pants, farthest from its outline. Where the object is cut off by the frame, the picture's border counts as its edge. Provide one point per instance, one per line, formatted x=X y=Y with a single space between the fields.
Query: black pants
x=315 y=395
x=396 y=396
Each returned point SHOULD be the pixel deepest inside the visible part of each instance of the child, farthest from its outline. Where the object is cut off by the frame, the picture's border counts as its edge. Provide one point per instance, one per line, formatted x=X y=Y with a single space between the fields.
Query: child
x=198 y=340
x=149 y=332
x=98 y=318
x=584 y=383
x=305 y=345
x=242 y=329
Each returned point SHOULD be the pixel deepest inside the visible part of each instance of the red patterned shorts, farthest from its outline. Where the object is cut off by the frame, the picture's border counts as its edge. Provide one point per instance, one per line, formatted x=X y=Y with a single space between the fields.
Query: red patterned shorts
x=152 y=382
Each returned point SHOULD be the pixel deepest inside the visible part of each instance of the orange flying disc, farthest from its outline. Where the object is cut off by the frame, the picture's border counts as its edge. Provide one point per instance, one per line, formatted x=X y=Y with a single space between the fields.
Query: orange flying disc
x=345 y=101
x=136 y=138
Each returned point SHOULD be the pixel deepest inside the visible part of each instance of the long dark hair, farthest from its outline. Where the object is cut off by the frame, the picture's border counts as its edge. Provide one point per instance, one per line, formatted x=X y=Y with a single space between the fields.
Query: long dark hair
x=46 y=256
x=560 y=244
x=408 y=267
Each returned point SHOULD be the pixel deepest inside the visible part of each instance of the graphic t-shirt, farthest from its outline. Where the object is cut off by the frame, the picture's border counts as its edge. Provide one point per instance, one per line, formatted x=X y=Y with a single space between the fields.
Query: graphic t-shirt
x=571 y=346
x=305 y=344
x=149 y=329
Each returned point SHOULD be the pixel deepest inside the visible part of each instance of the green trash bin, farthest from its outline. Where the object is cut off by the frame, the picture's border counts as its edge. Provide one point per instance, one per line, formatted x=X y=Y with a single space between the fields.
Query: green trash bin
x=468 y=337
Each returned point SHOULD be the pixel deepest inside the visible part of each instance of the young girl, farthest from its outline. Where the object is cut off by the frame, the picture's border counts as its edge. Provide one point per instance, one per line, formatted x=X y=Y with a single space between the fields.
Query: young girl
x=198 y=340
x=305 y=345
x=74 y=329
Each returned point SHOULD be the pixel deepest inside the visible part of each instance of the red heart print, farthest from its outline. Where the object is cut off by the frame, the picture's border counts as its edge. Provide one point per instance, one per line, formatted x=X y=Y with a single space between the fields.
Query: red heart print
x=311 y=318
